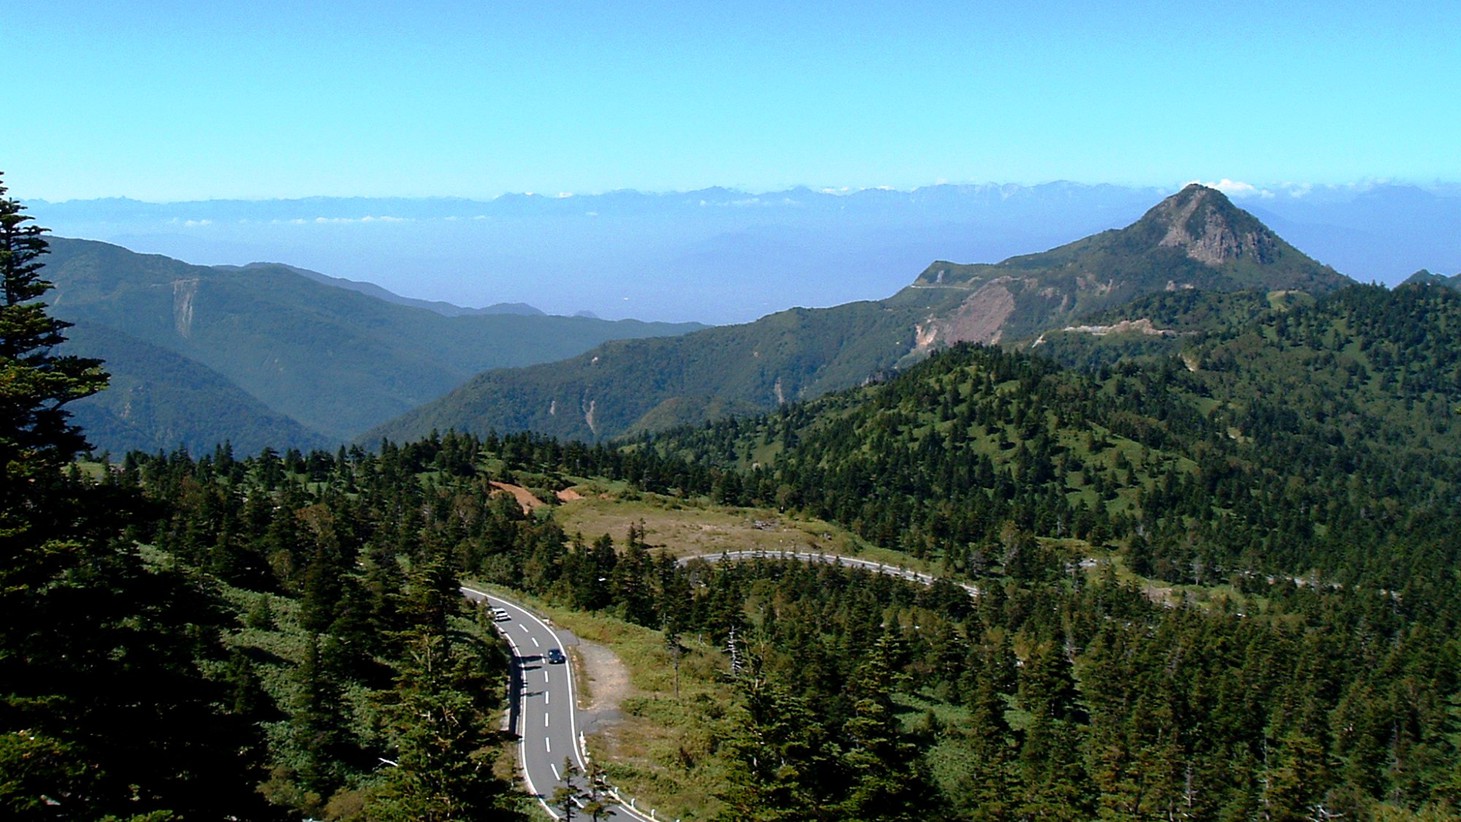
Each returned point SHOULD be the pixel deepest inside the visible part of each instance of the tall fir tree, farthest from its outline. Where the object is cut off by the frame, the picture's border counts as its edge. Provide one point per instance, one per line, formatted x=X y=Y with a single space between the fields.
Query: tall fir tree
x=36 y=383
x=103 y=711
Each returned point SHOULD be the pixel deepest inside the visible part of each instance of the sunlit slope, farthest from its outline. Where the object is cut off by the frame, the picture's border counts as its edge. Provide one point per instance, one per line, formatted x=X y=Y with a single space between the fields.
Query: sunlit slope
x=1195 y=240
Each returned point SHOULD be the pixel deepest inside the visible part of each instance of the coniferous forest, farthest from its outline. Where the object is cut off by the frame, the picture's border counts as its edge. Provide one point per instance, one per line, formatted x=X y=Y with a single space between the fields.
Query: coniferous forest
x=1216 y=574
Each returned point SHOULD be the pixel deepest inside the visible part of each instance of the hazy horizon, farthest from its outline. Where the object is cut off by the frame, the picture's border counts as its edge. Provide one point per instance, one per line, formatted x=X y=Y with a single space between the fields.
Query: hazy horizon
x=719 y=255
x=168 y=103
x=1238 y=190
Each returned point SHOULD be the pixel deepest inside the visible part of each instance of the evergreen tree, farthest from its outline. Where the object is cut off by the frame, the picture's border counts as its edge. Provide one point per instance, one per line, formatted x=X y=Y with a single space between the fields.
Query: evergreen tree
x=103 y=711
x=600 y=801
x=780 y=760
x=36 y=383
x=886 y=780
x=567 y=796
x=442 y=734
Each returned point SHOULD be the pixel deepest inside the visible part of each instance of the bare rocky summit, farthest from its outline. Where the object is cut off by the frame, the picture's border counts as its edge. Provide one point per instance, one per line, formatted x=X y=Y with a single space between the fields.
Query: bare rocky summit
x=1201 y=222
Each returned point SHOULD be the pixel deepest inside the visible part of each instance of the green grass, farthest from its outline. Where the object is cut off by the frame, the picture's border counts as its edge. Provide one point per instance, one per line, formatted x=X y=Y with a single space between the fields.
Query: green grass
x=914 y=707
x=1218 y=595
x=695 y=526
x=663 y=750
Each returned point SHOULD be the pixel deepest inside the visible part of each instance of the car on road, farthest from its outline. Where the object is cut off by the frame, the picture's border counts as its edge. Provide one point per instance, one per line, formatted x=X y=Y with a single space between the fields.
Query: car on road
x=499 y=615
x=556 y=657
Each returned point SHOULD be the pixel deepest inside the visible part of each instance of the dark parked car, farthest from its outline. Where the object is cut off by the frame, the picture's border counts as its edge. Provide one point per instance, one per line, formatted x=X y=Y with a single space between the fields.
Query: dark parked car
x=556 y=656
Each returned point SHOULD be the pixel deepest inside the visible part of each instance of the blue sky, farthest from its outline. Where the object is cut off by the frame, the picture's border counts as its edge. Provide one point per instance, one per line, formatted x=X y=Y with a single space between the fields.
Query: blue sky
x=183 y=100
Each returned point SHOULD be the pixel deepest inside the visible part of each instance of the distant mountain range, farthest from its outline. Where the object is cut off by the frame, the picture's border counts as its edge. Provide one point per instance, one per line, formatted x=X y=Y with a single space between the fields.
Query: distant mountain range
x=271 y=355
x=720 y=255
x=1195 y=240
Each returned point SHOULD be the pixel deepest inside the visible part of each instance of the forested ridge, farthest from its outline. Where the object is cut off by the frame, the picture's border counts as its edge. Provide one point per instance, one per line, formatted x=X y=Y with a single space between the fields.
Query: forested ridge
x=1302 y=442
x=326 y=363
x=1217 y=580
x=1059 y=691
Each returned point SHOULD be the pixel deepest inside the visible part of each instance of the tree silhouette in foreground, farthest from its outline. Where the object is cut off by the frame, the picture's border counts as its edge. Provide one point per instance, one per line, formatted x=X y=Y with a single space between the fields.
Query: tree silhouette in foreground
x=103 y=711
x=568 y=796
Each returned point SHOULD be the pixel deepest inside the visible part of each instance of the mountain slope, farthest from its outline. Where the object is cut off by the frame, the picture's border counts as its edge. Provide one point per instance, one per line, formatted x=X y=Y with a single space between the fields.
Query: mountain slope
x=372 y=290
x=335 y=360
x=160 y=401
x=657 y=383
x=1424 y=277
x=1322 y=436
x=1195 y=239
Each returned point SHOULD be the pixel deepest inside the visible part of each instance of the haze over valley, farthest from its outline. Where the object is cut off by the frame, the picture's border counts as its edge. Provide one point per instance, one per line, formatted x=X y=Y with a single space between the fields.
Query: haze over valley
x=724 y=256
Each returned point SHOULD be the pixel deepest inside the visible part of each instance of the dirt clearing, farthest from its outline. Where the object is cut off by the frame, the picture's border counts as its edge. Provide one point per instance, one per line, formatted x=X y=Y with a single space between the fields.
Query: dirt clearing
x=605 y=681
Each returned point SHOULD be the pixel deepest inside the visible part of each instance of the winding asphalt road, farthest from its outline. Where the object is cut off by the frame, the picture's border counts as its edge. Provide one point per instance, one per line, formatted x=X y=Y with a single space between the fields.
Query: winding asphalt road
x=542 y=710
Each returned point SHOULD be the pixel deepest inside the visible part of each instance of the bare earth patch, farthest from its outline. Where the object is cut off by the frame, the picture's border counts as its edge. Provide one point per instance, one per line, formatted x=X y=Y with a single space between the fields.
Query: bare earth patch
x=523 y=496
x=980 y=318
x=605 y=680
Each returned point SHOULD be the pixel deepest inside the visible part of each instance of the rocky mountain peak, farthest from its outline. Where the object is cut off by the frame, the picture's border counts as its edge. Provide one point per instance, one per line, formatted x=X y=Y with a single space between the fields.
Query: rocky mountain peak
x=1205 y=224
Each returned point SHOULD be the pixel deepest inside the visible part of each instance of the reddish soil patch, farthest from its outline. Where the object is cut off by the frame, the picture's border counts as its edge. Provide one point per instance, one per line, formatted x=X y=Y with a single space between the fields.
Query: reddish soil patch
x=569 y=495
x=523 y=496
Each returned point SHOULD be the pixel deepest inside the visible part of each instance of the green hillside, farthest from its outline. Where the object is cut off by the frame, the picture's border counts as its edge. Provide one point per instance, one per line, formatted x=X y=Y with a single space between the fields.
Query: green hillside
x=627 y=385
x=1424 y=277
x=1195 y=241
x=334 y=360
x=159 y=401
x=1206 y=544
x=1216 y=582
x=1163 y=323
x=1340 y=409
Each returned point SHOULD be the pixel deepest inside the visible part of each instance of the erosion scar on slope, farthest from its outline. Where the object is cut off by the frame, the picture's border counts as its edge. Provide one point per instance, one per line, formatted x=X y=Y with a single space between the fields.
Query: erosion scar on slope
x=979 y=319
x=183 y=294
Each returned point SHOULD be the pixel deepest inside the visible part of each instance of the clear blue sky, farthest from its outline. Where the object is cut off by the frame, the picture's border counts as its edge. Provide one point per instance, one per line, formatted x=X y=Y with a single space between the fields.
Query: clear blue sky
x=189 y=100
